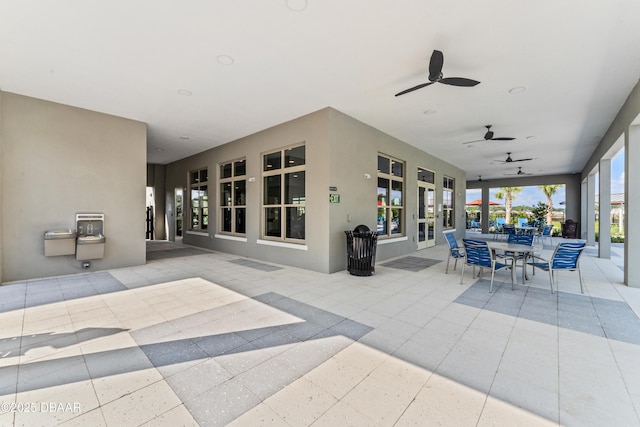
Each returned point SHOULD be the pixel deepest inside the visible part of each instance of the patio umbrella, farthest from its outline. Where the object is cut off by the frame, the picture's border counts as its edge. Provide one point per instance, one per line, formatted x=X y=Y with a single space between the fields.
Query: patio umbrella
x=478 y=202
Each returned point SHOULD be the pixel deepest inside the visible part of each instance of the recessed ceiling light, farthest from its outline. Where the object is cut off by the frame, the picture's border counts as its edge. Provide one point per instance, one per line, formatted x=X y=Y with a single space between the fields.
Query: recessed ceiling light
x=184 y=92
x=225 y=59
x=517 y=89
x=429 y=112
x=297 y=5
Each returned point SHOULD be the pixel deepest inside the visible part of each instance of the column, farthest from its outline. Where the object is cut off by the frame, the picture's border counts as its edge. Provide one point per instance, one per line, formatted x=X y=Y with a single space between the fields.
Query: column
x=485 y=210
x=590 y=225
x=632 y=207
x=604 y=210
x=583 y=209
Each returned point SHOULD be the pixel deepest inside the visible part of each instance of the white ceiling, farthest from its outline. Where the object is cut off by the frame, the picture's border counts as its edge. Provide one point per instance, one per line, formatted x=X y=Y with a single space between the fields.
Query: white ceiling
x=577 y=59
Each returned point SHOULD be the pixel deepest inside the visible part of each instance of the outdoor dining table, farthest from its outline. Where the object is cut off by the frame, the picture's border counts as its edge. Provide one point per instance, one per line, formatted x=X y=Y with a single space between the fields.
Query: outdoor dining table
x=516 y=248
x=526 y=230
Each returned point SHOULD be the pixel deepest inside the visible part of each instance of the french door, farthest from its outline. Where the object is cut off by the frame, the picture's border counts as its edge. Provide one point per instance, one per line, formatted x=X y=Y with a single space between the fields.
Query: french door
x=426 y=215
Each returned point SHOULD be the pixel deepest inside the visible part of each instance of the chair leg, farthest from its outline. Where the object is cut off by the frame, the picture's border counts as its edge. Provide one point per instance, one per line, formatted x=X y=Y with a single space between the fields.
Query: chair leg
x=455 y=264
x=551 y=278
x=462 y=275
x=446 y=270
x=513 y=274
x=493 y=272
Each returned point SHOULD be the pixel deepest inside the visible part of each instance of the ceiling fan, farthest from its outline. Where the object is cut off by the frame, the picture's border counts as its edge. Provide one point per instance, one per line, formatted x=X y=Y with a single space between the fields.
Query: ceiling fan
x=519 y=172
x=435 y=75
x=489 y=137
x=510 y=160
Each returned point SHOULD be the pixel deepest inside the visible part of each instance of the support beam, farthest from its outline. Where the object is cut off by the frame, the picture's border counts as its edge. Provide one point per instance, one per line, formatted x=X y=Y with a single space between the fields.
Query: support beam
x=590 y=213
x=485 y=210
x=604 y=209
x=632 y=207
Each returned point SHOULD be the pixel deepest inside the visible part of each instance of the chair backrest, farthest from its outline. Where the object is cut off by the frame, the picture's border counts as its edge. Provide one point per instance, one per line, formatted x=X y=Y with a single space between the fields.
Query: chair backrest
x=521 y=239
x=500 y=222
x=477 y=252
x=566 y=255
x=451 y=239
x=522 y=222
x=546 y=231
x=509 y=229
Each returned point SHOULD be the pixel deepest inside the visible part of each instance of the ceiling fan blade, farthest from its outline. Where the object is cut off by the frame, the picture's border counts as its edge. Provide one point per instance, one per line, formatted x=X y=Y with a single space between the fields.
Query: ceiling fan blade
x=471 y=142
x=520 y=160
x=414 y=88
x=435 y=65
x=459 y=81
x=503 y=138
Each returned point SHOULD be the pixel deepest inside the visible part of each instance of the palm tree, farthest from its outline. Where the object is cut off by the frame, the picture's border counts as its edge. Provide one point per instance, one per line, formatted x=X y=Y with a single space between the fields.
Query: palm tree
x=549 y=190
x=508 y=193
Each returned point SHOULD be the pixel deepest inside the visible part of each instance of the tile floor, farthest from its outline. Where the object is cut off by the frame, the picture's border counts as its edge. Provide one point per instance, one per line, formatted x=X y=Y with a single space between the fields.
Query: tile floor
x=203 y=338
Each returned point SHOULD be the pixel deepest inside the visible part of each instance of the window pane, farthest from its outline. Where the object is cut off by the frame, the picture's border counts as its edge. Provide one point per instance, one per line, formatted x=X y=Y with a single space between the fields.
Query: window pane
x=225 y=171
x=226 y=219
x=383 y=164
x=195 y=218
x=205 y=218
x=272 y=161
x=382 y=221
x=295 y=223
x=383 y=191
x=272 y=222
x=194 y=177
x=426 y=176
x=396 y=168
x=396 y=193
x=240 y=193
x=195 y=198
x=272 y=190
x=203 y=175
x=225 y=194
x=204 y=197
x=240 y=168
x=294 y=156
x=294 y=188
x=240 y=220
x=396 y=226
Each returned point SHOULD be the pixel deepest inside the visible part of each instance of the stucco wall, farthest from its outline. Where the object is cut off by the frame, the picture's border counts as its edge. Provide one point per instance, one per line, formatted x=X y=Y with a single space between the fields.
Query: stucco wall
x=311 y=129
x=58 y=161
x=354 y=153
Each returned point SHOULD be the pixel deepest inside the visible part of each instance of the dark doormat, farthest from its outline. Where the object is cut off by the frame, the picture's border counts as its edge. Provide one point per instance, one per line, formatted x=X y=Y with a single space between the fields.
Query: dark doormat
x=412 y=263
x=254 y=264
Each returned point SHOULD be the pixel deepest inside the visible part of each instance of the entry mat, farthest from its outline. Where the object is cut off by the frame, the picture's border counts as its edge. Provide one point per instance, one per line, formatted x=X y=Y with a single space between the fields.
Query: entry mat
x=254 y=264
x=596 y=316
x=412 y=263
x=173 y=252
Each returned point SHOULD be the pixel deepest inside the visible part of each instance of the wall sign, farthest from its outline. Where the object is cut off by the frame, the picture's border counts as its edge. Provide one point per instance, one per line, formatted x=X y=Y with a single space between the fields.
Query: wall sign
x=334 y=198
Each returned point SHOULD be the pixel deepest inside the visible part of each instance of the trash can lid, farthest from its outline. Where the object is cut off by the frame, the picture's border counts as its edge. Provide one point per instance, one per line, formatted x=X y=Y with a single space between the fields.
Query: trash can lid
x=361 y=229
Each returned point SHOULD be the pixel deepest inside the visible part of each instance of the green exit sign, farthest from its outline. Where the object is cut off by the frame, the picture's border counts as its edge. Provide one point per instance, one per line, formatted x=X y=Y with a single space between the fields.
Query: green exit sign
x=334 y=198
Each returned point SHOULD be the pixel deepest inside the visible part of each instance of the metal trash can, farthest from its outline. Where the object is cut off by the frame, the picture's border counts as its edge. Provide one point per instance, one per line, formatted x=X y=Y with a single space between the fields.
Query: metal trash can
x=361 y=251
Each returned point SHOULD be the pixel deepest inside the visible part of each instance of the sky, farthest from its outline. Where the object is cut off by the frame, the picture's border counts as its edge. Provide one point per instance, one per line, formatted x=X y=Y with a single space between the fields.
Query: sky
x=530 y=196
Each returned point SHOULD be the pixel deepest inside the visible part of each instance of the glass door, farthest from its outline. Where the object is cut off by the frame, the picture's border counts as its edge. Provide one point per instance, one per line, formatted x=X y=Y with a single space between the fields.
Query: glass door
x=178 y=215
x=426 y=209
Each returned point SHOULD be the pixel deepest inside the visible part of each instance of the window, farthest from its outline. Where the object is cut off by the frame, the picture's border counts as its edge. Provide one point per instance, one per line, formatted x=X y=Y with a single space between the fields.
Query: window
x=199 y=200
x=233 y=197
x=448 y=187
x=283 y=189
x=390 y=196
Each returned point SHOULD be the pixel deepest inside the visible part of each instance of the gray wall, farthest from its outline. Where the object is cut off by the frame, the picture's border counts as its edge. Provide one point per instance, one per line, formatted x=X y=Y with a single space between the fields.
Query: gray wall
x=311 y=129
x=57 y=161
x=354 y=153
x=339 y=150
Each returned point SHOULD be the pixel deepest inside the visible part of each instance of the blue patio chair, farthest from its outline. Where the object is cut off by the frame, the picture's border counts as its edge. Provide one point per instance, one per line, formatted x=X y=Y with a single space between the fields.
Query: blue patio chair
x=546 y=232
x=520 y=239
x=454 y=250
x=565 y=257
x=477 y=253
x=523 y=222
x=508 y=229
